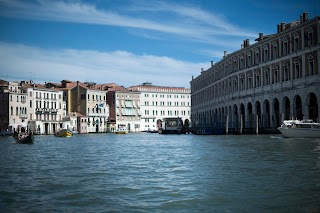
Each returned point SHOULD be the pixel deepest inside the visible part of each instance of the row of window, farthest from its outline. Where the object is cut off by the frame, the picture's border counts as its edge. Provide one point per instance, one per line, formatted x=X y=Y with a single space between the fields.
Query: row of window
x=95 y=97
x=271 y=50
x=163 y=96
x=169 y=103
x=47 y=117
x=169 y=112
x=281 y=72
x=46 y=95
x=19 y=111
x=22 y=98
x=96 y=110
x=46 y=104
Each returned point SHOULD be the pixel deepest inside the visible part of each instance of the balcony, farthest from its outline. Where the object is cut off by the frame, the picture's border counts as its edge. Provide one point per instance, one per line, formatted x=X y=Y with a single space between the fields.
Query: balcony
x=23 y=116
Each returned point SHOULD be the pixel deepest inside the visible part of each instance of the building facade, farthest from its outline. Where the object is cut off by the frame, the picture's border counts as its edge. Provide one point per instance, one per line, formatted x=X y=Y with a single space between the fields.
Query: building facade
x=159 y=102
x=124 y=108
x=13 y=106
x=46 y=108
x=90 y=101
x=258 y=86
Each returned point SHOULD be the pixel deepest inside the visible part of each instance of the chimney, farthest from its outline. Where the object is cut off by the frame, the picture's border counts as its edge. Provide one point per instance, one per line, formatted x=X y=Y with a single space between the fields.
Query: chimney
x=201 y=70
x=283 y=26
x=260 y=36
x=304 y=17
x=212 y=63
x=278 y=28
x=246 y=43
x=225 y=54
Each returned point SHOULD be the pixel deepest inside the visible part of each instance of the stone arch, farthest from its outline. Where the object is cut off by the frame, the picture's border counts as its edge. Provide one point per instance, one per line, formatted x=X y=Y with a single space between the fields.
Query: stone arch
x=235 y=117
x=286 y=108
x=159 y=124
x=230 y=117
x=219 y=117
x=250 y=115
x=312 y=103
x=276 y=113
x=266 y=113
x=297 y=110
x=258 y=112
x=243 y=113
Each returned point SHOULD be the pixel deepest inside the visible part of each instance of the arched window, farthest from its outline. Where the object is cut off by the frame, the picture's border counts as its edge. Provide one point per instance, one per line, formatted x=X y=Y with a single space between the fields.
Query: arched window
x=285 y=46
x=275 y=77
x=297 y=69
x=257 y=78
x=257 y=56
x=311 y=70
x=265 y=53
x=285 y=72
x=266 y=76
x=308 y=37
x=296 y=42
x=274 y=50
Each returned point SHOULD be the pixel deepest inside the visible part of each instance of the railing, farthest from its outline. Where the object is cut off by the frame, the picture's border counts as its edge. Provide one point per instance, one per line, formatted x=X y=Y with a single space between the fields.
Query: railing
x=23 y=116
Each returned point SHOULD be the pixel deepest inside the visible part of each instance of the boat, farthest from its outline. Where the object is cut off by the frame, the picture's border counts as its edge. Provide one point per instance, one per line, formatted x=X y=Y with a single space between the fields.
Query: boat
x=64 y=133
x=23 y=137
x=122 y=131
x=152 y=131
x=300 y=129
x=172 y=125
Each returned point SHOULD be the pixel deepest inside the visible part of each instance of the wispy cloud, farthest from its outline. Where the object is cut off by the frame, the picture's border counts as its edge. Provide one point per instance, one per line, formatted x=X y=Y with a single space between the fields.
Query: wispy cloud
x=187 y=22
x=22 y=62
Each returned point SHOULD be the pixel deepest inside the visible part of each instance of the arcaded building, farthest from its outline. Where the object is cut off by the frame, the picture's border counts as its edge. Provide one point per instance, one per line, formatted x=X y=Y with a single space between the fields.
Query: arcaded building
x=253 y=89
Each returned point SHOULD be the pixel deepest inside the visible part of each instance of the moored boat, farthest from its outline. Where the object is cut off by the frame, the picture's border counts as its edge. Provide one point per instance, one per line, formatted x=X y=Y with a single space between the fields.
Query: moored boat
x=122 y=131
x=64 y=133
x=300 y=129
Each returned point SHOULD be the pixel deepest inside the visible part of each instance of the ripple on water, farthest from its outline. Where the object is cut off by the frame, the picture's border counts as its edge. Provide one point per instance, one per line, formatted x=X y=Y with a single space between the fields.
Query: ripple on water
x=160 y=173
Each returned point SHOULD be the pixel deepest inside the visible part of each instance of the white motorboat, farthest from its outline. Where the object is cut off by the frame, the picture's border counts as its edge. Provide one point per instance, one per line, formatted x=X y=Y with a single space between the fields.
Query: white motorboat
x=300 y=129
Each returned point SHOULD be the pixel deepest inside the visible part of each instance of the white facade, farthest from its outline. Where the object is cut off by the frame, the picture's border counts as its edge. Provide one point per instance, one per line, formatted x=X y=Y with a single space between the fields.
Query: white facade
x=159 y=102
x=46 y=109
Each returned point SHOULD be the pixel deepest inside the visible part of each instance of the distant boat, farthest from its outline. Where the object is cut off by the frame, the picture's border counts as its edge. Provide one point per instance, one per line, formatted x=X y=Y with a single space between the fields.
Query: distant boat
x=122 y=131
x=63 y=133
x=23 y=137
x=172 y=125
x=300 y=129
x=152 y=131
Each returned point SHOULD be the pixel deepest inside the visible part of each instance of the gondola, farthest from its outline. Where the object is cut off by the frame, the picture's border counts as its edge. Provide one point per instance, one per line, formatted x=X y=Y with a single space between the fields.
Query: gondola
x=26 y=138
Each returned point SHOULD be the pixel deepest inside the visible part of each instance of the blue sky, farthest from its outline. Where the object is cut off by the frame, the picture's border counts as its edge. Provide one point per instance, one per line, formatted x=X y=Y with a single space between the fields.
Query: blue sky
x=129 y=42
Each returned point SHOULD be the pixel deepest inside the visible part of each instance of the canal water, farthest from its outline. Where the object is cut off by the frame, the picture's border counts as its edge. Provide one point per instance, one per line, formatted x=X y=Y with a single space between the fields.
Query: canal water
x=146 y=172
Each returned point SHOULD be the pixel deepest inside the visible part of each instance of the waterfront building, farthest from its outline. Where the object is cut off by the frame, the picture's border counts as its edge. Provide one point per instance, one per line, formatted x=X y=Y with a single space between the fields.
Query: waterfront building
x=46 y=108
x=255 y=88
x=89 y=100
x=159 y=102
x=13 y=106
x=124 y=108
